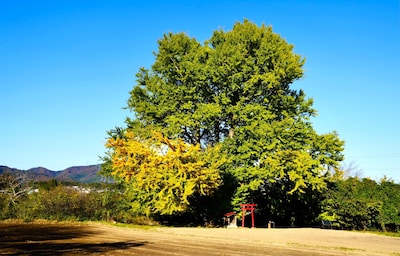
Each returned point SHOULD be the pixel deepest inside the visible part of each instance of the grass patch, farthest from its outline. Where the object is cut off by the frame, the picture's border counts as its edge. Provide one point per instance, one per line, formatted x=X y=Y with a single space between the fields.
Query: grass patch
x=381 y=233
x=125 y=225
x=344 y=249
x=79 y=223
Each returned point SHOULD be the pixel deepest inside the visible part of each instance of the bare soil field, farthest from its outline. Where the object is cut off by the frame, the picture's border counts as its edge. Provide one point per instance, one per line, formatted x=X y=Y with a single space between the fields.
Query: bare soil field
x=47 y=238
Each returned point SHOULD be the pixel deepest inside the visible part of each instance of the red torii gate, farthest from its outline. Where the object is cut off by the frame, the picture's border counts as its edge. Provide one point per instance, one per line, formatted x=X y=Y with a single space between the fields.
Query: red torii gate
x=245 y=208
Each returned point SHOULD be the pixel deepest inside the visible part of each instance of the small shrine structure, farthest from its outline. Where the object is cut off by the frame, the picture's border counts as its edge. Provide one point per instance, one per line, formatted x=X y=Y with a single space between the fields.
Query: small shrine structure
x=230 y=220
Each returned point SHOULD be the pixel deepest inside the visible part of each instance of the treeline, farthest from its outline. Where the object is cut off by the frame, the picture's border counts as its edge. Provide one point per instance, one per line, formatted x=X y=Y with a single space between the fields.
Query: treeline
x=363 y=204
x=351 y=203
x=63 y=201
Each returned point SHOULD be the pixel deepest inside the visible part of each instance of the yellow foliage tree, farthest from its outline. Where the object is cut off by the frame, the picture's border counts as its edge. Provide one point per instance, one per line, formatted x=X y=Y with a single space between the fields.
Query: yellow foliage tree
x=163 y=173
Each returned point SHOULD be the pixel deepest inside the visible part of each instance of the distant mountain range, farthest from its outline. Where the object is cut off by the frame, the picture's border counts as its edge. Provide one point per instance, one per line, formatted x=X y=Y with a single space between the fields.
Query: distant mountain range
x=82 y=174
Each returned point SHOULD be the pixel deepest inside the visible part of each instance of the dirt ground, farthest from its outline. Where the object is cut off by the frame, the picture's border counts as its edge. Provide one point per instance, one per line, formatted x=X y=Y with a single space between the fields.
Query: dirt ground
x=100 y=239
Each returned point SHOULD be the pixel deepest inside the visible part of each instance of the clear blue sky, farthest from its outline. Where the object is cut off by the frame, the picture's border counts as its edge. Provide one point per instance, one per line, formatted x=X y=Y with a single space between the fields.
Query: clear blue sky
x=66 y=69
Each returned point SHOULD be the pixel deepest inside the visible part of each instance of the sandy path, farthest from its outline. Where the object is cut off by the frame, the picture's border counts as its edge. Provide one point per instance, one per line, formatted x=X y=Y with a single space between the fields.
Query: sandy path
x=301 y=237
x=99 y=239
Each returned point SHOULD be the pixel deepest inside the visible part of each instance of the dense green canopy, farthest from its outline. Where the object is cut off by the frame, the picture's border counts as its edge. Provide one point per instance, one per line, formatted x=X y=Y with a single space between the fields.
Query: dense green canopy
x=235 y=91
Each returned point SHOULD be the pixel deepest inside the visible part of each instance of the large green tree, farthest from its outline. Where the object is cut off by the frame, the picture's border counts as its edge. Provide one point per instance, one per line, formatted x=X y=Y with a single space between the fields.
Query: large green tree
x=234 y=91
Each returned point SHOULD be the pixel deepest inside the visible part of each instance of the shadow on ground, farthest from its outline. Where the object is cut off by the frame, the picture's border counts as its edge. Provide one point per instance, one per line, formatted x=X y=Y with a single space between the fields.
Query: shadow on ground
x=39 y=239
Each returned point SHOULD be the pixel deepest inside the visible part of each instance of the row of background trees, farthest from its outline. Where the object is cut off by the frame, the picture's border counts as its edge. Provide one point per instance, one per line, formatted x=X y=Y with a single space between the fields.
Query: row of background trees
x=60 y=201
x=350 y=203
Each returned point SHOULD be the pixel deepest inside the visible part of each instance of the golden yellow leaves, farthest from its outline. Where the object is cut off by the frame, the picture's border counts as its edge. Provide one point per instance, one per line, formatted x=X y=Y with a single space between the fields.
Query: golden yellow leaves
x=298 y=167
x=168 y=171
